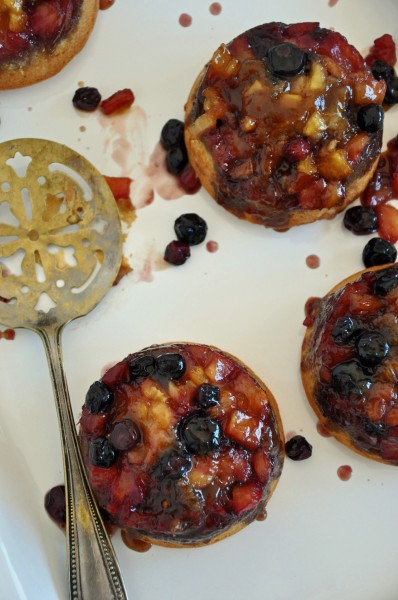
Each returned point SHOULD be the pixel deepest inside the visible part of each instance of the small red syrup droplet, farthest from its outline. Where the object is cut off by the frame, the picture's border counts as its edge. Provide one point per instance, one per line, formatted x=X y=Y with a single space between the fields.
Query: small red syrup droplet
x=313 y=261
x=215 y=8
x=212 y=246
x=185 y=20
x=322 y=430
x=133 y=542
x=104 y=4
x=262 y=516
x=344 y=472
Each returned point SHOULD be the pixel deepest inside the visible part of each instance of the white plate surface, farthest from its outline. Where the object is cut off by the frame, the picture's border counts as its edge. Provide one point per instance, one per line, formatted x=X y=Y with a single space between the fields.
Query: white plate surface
x=323 y=538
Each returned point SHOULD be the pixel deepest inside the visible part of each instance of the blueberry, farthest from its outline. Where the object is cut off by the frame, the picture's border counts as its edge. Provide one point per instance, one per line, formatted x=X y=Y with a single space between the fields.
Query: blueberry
x=373 y=428
x=142 y=367
x=200 y=434
x=349 y=377
x=386 y=281
x=172 y=134
x=101 y=453
x=177 y=253
x=372 y=348
x=370 y=118
x=285 y=59
x=98 y=398
x=174 y=464
x=176 y=160
x=361 y=220
x=170 y=365
x=208 y=395
x=124 y=435
x=190 y=228
x=382 y=70
x=297 y=448
x=378 y=252
x=345 y=329
x=391 y=96
x=55 y=505
x=86 y=98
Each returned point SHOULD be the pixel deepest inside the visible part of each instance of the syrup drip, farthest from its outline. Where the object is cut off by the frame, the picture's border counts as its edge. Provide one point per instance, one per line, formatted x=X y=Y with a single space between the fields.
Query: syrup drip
x=133 y=542
x=322 y=430
x=7 y=334
x=262 y=516
x=105 y=4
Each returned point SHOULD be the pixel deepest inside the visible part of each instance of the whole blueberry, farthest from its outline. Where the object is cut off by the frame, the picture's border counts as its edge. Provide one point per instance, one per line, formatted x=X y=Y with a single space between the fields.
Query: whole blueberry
x=177 y=253
x=190 y=228
x=378 y=252
x=208 y=395
x=370 y=118
x=297 y=448
x=172 y=134
x=171 y=365
x=386 y=281
x=176 y=160
x=286 y=59
x=142 y=366
x=382 y=70
x=200 y=434
x=391 y=96
x=55 y=505
x=124 y=435
x=349 y=377
x=101 y=453
x=372 y=348
x=98 y=398
x=345 y=329
x=86 y=98
x=361 y=220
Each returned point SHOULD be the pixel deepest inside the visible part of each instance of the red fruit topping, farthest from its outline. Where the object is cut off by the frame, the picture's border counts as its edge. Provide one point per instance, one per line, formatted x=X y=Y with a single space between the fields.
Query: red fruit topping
x=46 y=20
x=93 y=423
x=383 y=49
x=310 y=197
x=262 y=466
x=104 y=4
x=177 y=253
x=297 y=149
x=344 y=472
x=120 y=186
x=388 y=222
x=244 y=429
x=120 y=373
x=121 y=100
x=188 y=181
x=245 y=497
x=310 y=310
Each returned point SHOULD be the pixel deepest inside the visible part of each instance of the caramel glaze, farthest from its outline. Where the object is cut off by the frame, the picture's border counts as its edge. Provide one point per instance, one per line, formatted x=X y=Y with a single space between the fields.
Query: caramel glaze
x=252 y=175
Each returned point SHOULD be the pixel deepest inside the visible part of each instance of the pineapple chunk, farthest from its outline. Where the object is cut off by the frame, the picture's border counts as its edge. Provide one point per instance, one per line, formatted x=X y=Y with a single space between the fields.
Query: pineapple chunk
x=223 y=63
x=366 y=94
x=202 y=124
x=151 y=392
x=162 y=415
x=298 y=85
x=256 y=86
x=315 y=125
x=317 y=78
x=334 y=165
x=16 y=15
x=290 y=100
x=198 y=376
x=248 y=124
x=307 y=166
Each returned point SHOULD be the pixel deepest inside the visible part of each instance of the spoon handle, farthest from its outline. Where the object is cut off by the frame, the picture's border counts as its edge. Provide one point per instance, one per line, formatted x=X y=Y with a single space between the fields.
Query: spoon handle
x=93 y=569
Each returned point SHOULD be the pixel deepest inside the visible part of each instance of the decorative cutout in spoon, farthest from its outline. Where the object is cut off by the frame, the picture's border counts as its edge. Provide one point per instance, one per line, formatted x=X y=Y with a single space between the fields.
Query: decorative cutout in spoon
x=60 y=252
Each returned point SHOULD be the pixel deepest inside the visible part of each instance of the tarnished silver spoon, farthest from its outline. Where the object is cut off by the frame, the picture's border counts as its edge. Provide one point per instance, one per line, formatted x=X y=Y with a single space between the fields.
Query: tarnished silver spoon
x=60 y=252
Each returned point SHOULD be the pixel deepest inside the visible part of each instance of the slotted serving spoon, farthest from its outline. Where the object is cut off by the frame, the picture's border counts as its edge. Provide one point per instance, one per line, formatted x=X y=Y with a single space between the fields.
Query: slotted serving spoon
x=60 y=252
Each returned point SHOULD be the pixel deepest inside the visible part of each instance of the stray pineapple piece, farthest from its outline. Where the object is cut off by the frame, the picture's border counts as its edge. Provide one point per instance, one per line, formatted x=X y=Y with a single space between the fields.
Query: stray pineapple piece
x=315 y=125
x=317 y=78
x=16 y=15
x=214 y=101
x=248 y=124
x=332 y=195
x=366 y=94
x=334 y=165
x=256 y=86
x=198 y=376
x=202 y=124
x=223 y=63
x=152 y=392
x=290 y=100
x=307 y=166
x=299 y=85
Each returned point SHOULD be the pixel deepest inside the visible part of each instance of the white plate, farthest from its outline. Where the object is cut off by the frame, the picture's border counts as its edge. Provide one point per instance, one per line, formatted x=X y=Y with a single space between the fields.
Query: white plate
x=323 y=538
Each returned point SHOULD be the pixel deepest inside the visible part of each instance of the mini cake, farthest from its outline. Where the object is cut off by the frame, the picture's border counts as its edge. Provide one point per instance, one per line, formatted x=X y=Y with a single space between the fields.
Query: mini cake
x=182 y=444
x=350 y=362
x=284 y=124
x=39 y=37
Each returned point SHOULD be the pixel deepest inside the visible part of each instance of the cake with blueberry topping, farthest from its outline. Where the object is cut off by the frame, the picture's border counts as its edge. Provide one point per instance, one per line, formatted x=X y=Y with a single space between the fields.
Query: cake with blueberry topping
x=182 y=444
x=39 y=37
x=284 y=124
x=350 y=362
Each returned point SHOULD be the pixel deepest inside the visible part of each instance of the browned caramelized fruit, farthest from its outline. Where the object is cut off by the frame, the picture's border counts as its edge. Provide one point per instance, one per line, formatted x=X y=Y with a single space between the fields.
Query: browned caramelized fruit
x=284 y=124
x=182 y=444
x=350 y=362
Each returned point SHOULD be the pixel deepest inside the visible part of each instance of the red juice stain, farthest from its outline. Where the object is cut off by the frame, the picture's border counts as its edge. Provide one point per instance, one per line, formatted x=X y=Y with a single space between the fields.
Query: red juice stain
x=185 y=20
x=104 y=4
x=212 y=246
x=344 y=472
x=321 y=429
x=215 y=8
x=313 y=261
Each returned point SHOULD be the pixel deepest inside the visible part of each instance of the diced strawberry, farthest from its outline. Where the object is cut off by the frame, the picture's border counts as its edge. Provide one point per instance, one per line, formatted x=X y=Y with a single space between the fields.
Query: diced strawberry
x=121 y=100
x=363 y=303
x=188 y=181
x=379 y=399
x=310 y=197
x=234 y=466
x=46 y=20
x=244 y=429
x=310 y=310
x=102 y=479
x=93 y=423
x=387 y=216
x=120 y=186
x=378 y=190
x=245 y=497
x=389 y=448
x=262 y=466
x=125 y=489
x=356 y=146
x=383 y=49
x=120 y=373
